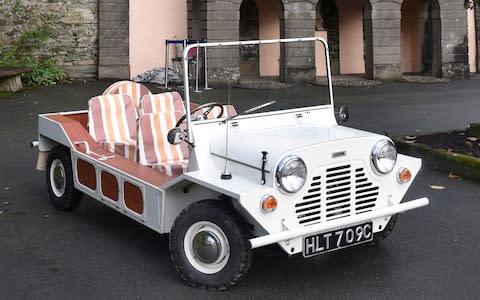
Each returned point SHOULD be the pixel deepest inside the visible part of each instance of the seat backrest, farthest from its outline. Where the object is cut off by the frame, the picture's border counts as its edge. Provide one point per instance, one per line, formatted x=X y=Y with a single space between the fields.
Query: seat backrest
x=228 y=111
x=153 y=146
x=164 y=102
x=114 y=86
x=133 y=89
x=112 y=118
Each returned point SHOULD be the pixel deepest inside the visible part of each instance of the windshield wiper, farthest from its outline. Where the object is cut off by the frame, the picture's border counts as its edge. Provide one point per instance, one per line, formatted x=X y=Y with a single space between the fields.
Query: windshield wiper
x=251 y=110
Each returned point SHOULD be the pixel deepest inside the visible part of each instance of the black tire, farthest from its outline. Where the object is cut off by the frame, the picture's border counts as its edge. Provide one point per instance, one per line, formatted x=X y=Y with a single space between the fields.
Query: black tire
x=59 y=175
x=228 y=271
x=380 y=236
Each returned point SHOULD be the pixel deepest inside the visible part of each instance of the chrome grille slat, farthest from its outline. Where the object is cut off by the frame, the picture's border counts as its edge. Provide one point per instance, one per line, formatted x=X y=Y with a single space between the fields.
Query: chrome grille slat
x=338 y=205
x=337 y=192
x=336 y=197
x=308 y=205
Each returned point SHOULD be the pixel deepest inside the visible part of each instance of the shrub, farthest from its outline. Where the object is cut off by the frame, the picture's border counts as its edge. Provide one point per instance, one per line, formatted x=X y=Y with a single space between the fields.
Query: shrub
x=37 y=30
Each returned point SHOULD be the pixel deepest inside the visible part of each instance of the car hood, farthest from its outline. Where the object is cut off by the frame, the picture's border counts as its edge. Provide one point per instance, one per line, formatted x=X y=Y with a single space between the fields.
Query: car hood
x=246 y=145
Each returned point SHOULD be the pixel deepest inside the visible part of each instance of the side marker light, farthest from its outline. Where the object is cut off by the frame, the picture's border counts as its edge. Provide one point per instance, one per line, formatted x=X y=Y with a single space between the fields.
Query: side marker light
x=268 y=204
x=404 y=175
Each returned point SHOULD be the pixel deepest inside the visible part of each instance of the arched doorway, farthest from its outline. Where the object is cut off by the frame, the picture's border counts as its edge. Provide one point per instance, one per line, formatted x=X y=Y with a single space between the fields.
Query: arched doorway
x=261 y=20
x=421 y=37
x=368 y=39
x=342 y=22
x=249 y=30
x=326 y=26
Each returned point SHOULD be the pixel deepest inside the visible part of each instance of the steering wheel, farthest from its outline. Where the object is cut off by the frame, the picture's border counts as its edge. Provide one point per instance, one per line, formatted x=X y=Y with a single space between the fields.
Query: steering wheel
x=209 y=107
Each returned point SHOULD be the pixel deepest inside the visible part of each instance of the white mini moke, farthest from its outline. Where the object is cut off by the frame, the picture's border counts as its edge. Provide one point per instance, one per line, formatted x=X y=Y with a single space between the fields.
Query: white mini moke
x=222 y=184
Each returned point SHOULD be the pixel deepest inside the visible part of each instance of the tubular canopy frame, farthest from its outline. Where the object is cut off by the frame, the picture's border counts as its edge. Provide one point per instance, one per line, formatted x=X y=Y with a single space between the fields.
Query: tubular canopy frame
x=240 y=43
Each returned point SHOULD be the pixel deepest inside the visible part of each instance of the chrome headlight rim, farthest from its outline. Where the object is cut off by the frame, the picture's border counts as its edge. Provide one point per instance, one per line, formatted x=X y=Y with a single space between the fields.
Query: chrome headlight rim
x=374 y=157
x=284 y=162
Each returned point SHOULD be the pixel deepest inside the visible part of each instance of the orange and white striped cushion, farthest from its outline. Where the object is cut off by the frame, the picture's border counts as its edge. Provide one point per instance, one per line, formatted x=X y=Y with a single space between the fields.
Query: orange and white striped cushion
x=114 y=86
x=228 y=111
x=133 y=89
x=112 y=121
x=164 y=102
x=153 y=146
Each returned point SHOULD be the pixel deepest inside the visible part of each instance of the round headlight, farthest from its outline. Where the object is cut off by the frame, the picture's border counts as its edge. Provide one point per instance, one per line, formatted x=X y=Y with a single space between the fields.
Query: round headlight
x=291 y=174
x=384 y=156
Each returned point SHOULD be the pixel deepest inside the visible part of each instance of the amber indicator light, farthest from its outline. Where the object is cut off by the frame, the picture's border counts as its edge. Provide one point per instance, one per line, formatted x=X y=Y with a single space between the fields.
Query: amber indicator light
x=404 y=175
x=269 y=204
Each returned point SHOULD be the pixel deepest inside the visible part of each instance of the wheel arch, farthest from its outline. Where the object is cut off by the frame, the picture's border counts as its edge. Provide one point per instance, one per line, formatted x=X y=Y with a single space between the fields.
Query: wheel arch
x=45 y=145
x=183 y=193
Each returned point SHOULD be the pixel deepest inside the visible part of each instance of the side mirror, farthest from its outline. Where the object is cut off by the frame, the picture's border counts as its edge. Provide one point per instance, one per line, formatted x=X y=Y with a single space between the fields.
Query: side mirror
x=343 y=114
x=176 y=136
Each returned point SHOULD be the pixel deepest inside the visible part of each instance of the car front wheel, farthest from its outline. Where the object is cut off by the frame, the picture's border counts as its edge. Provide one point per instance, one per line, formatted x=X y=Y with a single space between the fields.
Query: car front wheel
x=209 y=246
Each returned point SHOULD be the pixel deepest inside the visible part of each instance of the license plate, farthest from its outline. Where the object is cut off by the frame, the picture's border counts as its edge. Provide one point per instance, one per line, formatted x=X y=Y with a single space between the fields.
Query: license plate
x=338 y=239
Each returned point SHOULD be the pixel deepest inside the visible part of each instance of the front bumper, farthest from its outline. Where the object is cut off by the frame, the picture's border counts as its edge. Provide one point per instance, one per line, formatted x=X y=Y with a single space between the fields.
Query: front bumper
x=334 y=224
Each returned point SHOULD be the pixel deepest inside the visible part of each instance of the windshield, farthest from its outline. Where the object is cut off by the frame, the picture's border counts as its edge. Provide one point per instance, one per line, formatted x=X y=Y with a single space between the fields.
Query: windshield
x=249 y=90
x=295 y=96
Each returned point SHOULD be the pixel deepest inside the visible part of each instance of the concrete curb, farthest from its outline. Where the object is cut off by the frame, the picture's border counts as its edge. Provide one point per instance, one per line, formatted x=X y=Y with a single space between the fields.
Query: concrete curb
x=347 y=81
x=439 y=159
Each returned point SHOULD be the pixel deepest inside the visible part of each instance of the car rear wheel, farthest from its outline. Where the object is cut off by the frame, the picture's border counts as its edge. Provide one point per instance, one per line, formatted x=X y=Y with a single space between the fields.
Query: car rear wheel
x=60 y=185
x=209 y=246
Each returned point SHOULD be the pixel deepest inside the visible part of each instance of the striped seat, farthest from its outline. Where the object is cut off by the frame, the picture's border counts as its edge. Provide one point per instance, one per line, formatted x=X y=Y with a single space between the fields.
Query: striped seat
x=133 y=89
x=112 y=123
x=164 y=102
x=228 y=111
x=153 y=147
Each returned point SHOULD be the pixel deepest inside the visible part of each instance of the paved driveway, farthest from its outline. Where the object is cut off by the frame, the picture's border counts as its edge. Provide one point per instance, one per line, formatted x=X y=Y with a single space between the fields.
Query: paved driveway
x=96 y=253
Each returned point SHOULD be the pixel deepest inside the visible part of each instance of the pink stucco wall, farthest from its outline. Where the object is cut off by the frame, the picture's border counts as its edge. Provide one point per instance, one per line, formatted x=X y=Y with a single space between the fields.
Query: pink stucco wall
x=410 y=36
x=472 y=45
x=320 y=54
x=350 y=30
x=151 y=23
x=269 y=28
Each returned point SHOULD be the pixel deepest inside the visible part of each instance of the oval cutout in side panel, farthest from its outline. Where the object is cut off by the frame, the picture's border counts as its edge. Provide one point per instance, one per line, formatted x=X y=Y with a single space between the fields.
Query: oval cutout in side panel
x=86 y=174
x=109 y=185
x=133 y=197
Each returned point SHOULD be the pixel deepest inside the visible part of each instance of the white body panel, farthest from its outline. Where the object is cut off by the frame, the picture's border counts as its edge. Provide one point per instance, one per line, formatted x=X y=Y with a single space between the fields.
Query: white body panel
x=337 y=158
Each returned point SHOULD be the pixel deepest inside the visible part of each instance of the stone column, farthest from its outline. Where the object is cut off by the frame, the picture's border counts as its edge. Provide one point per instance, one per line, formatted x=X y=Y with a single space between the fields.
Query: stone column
x=223 y=25
x=300 y=57
x=113 y=43
x=454 y=40
x=197 y=19
x=386 y=17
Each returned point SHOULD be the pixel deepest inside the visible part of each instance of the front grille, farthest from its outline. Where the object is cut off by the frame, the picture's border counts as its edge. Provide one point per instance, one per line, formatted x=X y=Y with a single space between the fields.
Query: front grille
x=335 y=193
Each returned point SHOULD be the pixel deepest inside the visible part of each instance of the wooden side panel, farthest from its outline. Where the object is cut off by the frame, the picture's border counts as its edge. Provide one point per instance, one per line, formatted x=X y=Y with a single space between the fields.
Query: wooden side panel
x=76 y=132
x=86 y=174
x=133 y=197
x=81 y=118
x=109 y=186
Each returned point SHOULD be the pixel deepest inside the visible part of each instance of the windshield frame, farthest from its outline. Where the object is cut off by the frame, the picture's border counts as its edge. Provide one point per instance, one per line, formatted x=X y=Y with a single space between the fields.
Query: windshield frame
x=186 y=50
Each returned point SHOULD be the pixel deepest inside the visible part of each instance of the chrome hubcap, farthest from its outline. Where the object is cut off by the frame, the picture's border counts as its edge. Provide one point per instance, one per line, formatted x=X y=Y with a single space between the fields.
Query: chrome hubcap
x=207 y=247
x=57 y=178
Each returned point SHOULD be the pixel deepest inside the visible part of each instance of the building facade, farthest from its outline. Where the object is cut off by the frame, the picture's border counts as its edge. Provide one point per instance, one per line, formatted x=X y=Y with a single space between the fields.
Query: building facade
x=379 y=39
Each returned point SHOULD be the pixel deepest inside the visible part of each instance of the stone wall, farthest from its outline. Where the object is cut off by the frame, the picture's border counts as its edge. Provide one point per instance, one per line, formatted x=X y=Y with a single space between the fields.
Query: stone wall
x=113 y=44
x=74 y=45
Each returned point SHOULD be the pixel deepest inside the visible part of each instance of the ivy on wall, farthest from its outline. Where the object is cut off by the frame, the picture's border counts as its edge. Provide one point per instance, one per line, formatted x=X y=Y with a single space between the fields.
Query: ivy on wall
x=37 y=29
